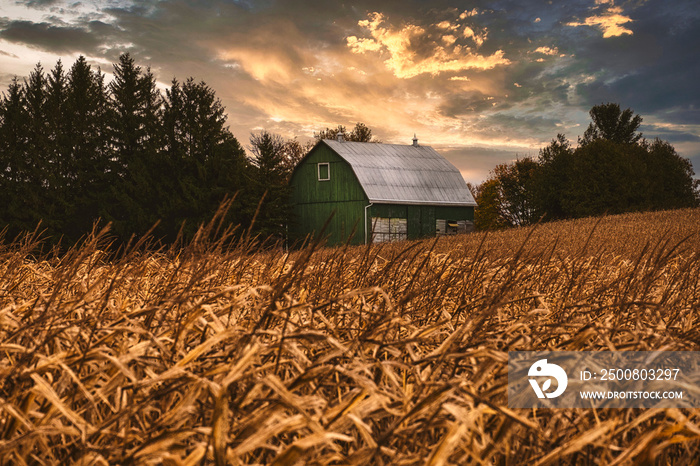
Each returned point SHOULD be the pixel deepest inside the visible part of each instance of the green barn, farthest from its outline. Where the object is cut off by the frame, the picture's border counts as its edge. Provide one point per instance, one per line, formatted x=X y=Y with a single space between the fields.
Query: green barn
x=378 y=192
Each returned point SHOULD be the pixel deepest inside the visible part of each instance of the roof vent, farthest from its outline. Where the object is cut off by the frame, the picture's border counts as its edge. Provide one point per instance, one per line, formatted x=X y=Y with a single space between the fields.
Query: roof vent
x=340 y=137
x=415 y=140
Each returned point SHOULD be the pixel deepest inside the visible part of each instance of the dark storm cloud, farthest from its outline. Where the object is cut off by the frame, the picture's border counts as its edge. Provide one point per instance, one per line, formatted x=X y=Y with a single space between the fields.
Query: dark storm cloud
x=670 y=135
x=650 y=70
x=40 y=3
x=510 y=126
x=50 y=37
x=695 y=161
x=172 y=32
x=465 y=103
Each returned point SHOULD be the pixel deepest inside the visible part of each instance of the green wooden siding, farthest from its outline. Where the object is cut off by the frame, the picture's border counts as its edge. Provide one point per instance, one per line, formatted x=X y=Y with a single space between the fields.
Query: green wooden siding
x=342 y=186
x=314 y=201
x=421 y=218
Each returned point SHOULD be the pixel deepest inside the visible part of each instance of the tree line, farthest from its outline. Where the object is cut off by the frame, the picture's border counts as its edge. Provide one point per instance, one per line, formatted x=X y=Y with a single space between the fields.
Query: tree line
x=77 y=150
x=613 y=169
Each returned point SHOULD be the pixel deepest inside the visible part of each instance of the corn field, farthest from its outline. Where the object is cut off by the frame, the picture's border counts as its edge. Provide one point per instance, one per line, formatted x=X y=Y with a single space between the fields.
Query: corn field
x=224 y=352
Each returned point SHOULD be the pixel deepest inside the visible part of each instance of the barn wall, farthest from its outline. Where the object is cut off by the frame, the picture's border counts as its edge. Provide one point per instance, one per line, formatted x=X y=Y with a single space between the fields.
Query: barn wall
x=314 y=201
x=342 y=186
x=420 y=218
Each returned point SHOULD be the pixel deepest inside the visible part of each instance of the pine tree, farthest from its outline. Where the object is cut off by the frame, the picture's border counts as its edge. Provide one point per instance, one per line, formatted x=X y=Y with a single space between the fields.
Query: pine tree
x=20 y=212
x=75 y=150
x=59 y=143
x=126 y=125
x=87 y=159
x=204 y=160
x=269 y=183
x=42 y=180
x=135 y=139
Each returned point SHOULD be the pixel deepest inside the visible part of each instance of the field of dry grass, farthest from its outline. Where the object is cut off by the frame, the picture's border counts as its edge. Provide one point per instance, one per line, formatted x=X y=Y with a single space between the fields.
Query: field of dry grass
x=392 y=354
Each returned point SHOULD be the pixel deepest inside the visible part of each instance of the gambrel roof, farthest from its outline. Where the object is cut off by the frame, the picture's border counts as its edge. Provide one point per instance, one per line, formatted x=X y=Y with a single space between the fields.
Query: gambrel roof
x=404 y=174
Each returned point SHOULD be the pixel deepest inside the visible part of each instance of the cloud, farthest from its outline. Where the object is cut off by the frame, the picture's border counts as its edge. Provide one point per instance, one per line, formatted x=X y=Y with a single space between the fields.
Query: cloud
x=611 y=22
x=475 y=163
x=363 y=45
x=478 y=39
x=517 y=127
x=446 y=25
x=413 y=51
x=671 y=132
x=48 y=36
x=652 y=72
x=268 y=65
x=467 y=13
x=547 y=50
x=41 y=3
x=465 y=103
x=8 y=54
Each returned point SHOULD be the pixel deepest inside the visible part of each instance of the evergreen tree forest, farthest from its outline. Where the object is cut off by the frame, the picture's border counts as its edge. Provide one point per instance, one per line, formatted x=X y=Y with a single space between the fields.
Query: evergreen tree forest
x=613 y=170
x=77 y=153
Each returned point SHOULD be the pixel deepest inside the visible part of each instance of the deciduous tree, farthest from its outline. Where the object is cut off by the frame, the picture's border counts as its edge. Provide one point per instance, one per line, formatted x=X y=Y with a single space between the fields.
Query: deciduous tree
x=360 y=133
x=612 y=124
x=488 y=214
x=551 y=180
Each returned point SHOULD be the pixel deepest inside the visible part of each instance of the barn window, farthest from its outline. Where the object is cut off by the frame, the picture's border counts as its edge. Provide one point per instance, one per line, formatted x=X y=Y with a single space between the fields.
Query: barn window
x=324 y=172
x=388 y=229
x=450 y=227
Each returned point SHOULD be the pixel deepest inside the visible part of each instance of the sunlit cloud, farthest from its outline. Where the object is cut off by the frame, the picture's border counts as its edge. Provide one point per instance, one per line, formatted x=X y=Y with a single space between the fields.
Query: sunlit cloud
x=480 y=84
x=547 y=50
x=449 y=39
x=411 y=51
x=478 y=38
x=261 y=68
x=611 y=22
x=467 y=13
x=362 y=45
x=447 y=25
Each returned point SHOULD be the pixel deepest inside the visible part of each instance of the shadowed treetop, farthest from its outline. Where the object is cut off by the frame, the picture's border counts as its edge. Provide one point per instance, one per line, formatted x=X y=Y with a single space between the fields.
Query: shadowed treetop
x=613 y=124
x=361 y=133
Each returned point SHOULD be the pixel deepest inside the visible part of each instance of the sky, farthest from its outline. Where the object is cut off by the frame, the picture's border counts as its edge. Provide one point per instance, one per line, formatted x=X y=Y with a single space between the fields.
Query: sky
x=483 y=82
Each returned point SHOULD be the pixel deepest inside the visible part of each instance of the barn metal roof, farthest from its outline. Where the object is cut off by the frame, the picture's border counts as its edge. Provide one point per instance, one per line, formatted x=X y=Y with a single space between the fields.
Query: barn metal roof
x=404 y=174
